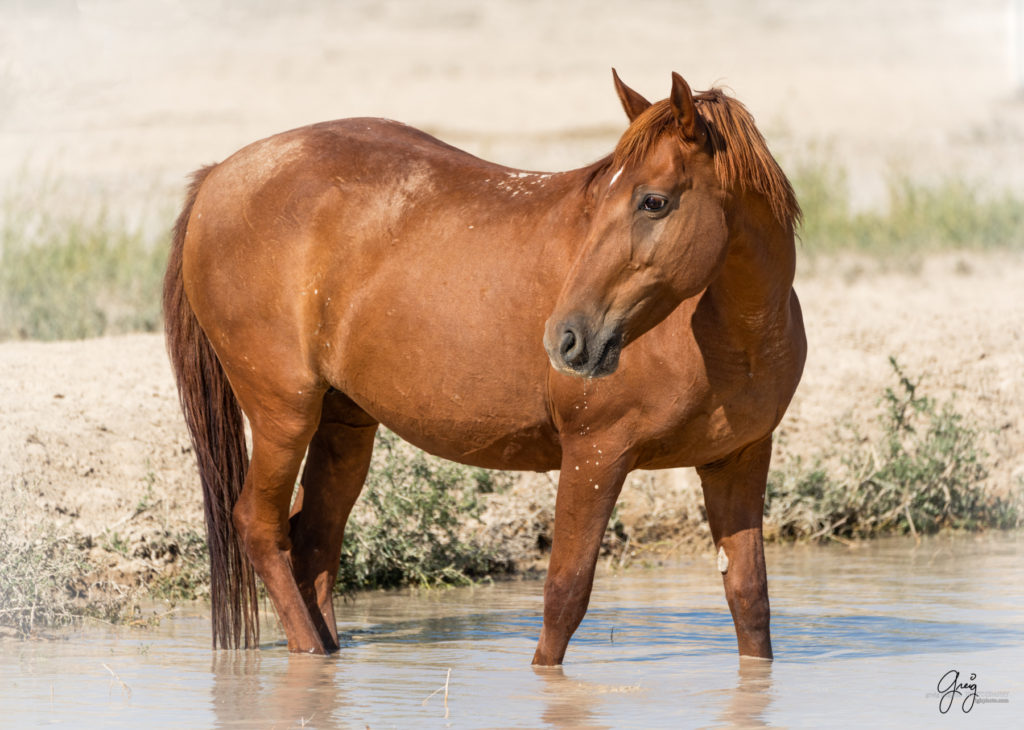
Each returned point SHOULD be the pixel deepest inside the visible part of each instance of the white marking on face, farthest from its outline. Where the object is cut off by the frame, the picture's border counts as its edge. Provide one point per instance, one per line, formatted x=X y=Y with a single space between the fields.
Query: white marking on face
x=615 y=177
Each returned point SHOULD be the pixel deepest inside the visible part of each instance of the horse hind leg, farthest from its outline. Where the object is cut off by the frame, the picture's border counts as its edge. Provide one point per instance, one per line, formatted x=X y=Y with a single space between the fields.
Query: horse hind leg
x=281 y=432
x=336 y=468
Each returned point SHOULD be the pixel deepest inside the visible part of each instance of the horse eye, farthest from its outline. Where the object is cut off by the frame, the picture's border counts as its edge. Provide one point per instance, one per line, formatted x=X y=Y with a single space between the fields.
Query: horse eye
x=653 y=203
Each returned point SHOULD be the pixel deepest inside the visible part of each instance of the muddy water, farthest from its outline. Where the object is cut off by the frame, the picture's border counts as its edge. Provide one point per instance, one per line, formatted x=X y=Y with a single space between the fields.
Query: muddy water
x=861 y=635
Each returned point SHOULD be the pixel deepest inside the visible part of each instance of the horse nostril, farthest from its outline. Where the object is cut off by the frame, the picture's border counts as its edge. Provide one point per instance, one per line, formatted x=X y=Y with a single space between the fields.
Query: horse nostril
x=568 y=342
x=572 y=347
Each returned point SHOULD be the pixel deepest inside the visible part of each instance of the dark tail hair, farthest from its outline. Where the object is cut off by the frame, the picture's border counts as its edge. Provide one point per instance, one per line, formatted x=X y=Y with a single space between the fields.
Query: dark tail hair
x=214 y=420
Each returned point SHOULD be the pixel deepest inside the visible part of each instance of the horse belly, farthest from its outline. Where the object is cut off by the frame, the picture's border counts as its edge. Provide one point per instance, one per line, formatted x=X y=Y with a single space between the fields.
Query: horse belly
x=453 y=369
x=457 y=418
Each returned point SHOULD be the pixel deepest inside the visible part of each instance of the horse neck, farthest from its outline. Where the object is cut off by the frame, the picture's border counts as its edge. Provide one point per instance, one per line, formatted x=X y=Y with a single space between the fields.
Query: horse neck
x=752 y=290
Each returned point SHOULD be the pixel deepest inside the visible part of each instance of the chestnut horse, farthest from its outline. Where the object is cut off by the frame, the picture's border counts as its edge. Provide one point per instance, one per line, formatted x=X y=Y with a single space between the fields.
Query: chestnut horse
x=634 y=314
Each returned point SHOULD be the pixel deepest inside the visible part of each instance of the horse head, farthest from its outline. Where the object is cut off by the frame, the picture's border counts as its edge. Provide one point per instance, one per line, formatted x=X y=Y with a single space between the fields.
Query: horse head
x=657 y=234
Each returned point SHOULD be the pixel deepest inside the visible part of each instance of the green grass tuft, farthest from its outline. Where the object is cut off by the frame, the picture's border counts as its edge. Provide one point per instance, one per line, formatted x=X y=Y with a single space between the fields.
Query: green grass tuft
x=915 y=218
x=69 y=273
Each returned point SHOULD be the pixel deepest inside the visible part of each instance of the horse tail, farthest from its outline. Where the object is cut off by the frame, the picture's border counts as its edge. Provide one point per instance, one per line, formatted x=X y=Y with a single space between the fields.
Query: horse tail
x=214 y=420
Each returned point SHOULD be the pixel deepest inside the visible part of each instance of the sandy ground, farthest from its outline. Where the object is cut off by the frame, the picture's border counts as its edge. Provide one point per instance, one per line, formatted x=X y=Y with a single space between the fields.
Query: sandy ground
x=117 y=101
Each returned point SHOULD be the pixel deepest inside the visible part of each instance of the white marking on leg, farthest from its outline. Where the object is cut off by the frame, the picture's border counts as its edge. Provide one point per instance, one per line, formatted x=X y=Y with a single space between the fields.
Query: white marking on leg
x=723 y=561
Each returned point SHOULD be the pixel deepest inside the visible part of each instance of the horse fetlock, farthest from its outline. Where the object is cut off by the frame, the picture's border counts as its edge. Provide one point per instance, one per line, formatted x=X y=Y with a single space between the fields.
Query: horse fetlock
x=550 y=648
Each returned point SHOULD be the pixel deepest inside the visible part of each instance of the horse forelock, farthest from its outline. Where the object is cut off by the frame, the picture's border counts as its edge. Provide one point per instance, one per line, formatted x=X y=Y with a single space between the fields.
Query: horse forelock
x=742 y=159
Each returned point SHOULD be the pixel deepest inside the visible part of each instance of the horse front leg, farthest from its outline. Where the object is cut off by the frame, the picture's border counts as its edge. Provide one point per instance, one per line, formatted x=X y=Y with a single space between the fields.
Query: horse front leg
x=734 y=496
x=588 y=487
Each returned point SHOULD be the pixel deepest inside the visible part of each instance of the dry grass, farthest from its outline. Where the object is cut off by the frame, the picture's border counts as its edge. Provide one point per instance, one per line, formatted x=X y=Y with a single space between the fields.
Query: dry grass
x=44 y=575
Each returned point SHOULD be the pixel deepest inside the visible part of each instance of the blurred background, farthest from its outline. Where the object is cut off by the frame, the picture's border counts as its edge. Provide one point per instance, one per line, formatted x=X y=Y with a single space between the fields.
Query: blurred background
x=120 y=99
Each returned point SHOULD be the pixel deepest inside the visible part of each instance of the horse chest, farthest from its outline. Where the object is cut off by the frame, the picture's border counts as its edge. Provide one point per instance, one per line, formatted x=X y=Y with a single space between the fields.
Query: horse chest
x=699 y=414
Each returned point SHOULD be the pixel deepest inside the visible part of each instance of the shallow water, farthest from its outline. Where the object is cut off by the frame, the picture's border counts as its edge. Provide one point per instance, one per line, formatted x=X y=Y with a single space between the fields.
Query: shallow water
x=861 y=635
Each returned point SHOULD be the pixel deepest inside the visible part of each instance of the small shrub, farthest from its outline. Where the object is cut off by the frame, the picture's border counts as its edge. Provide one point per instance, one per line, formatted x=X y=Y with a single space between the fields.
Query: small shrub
x=926 y=474
x=414 y=523
x=190 y=578
x=42 y=575
x=35 y=573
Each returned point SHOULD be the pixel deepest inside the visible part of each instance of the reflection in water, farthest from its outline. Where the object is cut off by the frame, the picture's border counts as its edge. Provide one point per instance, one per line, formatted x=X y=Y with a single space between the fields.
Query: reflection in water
x=657 y=649
x=749 y=702
x=247 y=693
x=567 y=703
x=575 y=703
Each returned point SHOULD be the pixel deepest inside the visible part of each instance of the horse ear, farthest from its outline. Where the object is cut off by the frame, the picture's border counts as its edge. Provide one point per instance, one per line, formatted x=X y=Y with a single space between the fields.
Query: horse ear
x=682 y=105
x=632 y=102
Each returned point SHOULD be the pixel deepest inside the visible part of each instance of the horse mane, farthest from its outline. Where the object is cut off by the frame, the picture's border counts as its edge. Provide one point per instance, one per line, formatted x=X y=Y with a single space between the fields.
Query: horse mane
x=742 y=159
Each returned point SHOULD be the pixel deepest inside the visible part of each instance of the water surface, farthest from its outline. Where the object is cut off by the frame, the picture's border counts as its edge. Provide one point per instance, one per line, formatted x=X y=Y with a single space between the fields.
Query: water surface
x=861 y=635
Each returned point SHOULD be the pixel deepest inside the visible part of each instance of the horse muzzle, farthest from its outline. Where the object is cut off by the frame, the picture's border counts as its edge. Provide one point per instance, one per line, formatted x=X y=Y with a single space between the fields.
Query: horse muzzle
x=575 y=349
